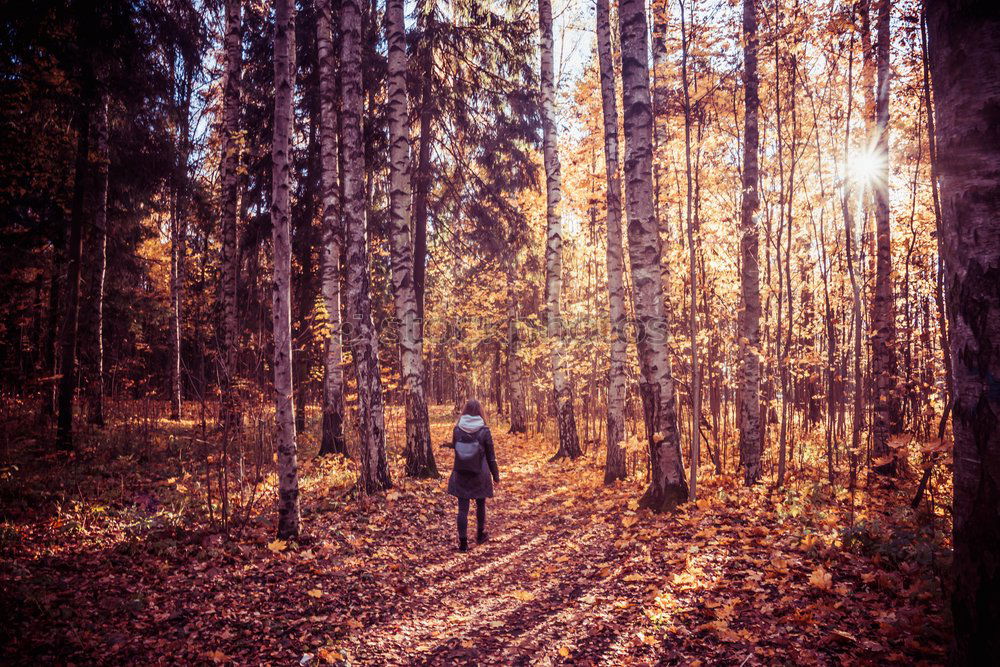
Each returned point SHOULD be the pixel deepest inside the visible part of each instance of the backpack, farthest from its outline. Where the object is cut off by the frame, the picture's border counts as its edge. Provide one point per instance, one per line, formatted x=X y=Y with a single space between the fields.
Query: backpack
x=468 y=456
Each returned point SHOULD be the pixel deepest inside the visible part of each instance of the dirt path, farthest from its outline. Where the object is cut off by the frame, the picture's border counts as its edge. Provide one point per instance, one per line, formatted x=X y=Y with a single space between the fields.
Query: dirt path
x=544 y=582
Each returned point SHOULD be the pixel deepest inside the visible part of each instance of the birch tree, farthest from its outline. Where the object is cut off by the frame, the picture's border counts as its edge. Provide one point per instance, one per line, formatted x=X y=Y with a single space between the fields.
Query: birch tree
x=284 y=82
x=332 y=441
x=363 y=338
x=418 y=452
x=668 y=486
x=228 y=208
x=614 y=467
x=964 y=43
x=749 y=375
x=569 y=444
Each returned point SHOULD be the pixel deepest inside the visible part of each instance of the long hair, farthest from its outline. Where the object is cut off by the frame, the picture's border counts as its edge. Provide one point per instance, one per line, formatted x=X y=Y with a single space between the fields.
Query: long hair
x=473 y=408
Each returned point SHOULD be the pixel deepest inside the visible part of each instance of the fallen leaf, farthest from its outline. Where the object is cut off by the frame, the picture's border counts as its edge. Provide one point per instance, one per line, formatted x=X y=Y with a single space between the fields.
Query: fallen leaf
x=821 y=579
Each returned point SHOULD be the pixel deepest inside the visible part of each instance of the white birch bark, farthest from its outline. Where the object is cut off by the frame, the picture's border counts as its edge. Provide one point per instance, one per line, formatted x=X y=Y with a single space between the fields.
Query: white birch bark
x=668 y=486
x=569 y=444
x=363 y=337
x=749 y=373
x=614 y=467
x=418 y=452
x=332 y=441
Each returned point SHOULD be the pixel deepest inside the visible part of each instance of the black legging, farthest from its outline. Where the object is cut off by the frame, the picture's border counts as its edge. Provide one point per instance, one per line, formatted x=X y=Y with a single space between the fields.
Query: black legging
x=463 y=517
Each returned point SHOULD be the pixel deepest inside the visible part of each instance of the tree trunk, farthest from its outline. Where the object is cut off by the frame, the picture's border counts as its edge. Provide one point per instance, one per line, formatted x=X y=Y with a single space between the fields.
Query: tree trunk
x=964 y=42
x=363 y=337
x=668 y=486
x=614 y=467
x=418 y=452
x=423 y=176
x=98 y=264
x=749 y=405
x=887 y=413
x=569 y=444
x=659 y=94
x=332 y=441
x=50 y=369
x=178 y=239
x=935 y=197
x=695 y=377
x=849 y=241
x=515 y=373
x=284 y=82
x=228 y=207
x=71 y=314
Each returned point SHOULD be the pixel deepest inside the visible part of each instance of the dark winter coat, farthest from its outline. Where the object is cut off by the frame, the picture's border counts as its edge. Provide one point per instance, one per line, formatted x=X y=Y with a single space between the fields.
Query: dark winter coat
x=475 y=485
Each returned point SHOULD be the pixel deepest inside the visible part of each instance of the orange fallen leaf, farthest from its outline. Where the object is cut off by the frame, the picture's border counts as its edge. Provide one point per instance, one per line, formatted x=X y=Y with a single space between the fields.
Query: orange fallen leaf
x=821 y=579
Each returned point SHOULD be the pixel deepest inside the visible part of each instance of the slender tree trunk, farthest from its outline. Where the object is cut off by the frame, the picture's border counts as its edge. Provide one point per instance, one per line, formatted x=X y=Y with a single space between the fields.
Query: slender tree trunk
x=228 y=208
x=98 y=264
x=659 y=93
x=419 y=453
x=332 y=441
x=178 y=245
x=363 y=337
x=964 y=41
x=693 y=322
x=935 y=196
x=846 y=204
x=303 y=240
x=749 y=408
x=71 y=314
x=887 y=412
x=668 y=486
x=50 y=368
x=569 y=443
x=614 y=467
x=284 y=82
x=515 y=372
x=423 y=176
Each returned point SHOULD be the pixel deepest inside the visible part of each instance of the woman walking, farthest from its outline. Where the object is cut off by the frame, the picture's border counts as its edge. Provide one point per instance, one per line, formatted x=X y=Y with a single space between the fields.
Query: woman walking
x=475 y=471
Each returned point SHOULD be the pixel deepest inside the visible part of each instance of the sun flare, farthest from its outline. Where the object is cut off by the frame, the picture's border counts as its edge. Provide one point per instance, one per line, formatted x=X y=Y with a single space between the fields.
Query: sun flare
x=866 y=166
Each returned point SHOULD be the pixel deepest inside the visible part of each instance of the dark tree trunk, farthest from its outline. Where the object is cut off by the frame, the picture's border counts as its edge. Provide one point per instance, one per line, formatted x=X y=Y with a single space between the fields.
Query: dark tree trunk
x=71 y=314
x=97 y=260
x=49 y=356
x=884 y=366
x=964 y=42
x=228 y=208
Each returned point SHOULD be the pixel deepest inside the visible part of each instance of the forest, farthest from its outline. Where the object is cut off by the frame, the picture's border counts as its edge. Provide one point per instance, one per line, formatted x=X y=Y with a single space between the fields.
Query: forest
x=699 y=300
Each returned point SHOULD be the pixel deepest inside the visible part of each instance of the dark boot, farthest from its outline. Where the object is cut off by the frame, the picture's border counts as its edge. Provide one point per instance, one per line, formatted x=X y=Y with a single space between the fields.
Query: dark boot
x=481 y=537
x=463 y=545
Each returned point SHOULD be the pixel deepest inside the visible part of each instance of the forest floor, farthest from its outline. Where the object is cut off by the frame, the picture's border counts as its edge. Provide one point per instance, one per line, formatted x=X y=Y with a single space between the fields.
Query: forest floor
x=96 y=568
